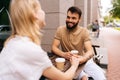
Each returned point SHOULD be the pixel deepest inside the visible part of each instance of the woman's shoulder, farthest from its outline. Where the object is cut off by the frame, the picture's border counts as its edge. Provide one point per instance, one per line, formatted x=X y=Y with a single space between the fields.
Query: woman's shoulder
x=19 y=42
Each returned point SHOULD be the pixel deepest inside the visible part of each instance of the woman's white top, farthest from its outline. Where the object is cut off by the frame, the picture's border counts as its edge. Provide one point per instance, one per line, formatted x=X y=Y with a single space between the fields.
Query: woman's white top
x=21 y=59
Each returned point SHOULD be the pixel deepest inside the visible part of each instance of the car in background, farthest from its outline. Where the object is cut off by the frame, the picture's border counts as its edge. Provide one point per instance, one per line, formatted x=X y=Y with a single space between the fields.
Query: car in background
x=117 y=24
x=5 y=31
x=110 y=25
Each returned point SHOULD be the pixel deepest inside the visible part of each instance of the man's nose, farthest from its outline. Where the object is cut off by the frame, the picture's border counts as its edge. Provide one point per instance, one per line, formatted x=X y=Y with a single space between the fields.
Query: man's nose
x=70 y=19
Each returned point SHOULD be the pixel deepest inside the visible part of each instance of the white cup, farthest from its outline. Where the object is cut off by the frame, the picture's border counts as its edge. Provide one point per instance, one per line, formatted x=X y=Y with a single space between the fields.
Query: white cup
x=74 y=52
x=60 y=63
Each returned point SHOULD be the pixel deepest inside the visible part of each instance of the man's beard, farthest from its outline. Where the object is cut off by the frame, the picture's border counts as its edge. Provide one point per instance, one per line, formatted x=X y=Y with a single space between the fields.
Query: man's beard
x=72 y=27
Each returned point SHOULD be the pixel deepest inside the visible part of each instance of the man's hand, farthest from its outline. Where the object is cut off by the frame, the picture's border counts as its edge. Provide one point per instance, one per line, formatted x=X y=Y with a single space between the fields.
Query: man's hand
x=74 y=61
x=81 y=58
x=67 y=55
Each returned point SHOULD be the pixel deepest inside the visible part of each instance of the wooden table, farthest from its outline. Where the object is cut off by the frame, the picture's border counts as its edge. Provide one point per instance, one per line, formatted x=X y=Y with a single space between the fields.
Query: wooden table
x=67 y=65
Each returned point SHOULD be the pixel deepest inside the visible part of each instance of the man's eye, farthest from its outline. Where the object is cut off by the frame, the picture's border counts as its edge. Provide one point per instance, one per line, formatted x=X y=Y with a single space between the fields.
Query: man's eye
x=68 y=17
x=73 y=18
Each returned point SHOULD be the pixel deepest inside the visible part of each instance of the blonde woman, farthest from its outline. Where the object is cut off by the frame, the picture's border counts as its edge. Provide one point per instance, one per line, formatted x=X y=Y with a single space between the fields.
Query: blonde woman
x=22 y=57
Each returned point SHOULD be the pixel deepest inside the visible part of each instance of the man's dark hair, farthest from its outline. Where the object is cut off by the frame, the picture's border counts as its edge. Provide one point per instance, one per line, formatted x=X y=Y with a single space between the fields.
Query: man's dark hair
x=75 y=9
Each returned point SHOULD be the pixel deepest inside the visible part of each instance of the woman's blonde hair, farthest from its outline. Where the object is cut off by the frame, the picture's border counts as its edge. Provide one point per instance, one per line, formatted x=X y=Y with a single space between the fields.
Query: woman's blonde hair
x=23 y=22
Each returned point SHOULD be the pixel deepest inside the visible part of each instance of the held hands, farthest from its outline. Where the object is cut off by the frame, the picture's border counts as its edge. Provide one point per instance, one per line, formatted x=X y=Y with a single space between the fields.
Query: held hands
x=74 y=61
x=81 y=59
x=68 y=56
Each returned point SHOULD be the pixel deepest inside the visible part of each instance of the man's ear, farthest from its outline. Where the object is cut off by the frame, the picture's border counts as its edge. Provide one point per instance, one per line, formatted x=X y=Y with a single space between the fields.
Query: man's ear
x=79 y=19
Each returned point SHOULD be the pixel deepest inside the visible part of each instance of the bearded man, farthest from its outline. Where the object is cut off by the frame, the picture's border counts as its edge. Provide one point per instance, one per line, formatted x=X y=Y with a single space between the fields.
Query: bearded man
x=74 y=37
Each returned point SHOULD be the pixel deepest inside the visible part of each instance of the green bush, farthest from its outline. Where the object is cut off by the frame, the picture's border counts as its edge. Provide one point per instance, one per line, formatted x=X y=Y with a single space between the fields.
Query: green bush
x=117 y=28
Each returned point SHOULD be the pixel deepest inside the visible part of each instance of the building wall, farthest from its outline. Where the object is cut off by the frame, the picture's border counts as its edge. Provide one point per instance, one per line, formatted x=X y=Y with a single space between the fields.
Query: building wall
x=56 y=14
x=95 y=7
x=89 y=12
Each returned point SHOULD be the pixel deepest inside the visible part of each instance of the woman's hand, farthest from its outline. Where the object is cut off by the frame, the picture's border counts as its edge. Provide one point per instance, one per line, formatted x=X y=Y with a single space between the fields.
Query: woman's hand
x=74 y=61
x=81 y=59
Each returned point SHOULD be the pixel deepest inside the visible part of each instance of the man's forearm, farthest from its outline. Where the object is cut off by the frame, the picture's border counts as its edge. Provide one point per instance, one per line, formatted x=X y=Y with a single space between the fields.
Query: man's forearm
x=58 y=52
x=88 y=55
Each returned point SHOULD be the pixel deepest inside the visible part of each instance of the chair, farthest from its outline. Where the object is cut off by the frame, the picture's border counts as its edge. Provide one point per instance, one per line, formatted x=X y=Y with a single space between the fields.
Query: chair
x=97 y=56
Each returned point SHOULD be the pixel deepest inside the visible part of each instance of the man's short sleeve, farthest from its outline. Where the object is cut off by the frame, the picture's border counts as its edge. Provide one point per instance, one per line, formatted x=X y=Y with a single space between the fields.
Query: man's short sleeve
x=86 y=35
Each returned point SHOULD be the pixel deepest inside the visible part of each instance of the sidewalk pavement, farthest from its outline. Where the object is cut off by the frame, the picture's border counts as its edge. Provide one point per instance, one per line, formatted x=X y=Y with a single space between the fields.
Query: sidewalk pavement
x=109 y=39
x=102 y=50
